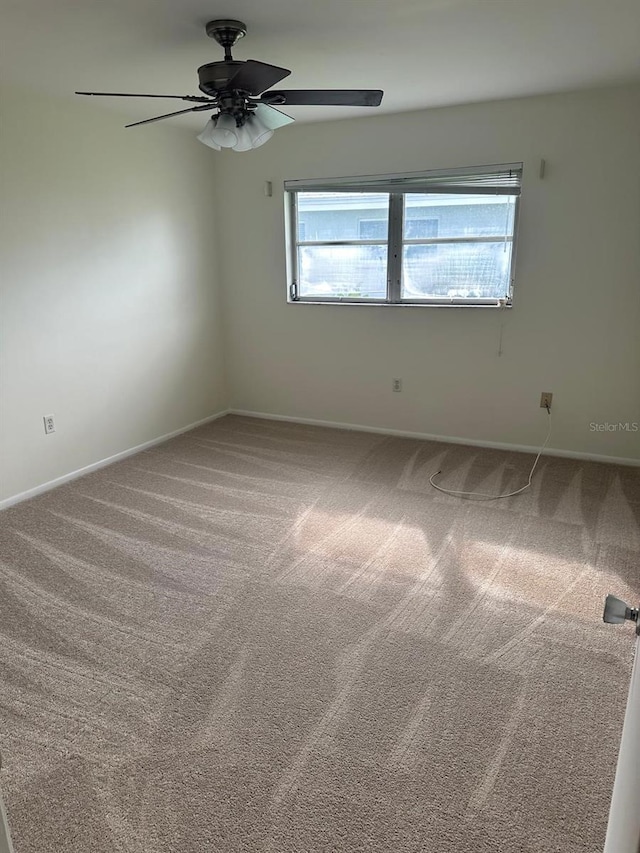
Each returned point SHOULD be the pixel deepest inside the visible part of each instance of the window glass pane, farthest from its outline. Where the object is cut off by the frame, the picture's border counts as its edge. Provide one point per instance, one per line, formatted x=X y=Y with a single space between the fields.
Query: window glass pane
x=327 y=216
x=373 y=229
x=357 y=272
x=420 y=226
x=456 y=270
x=457 y=215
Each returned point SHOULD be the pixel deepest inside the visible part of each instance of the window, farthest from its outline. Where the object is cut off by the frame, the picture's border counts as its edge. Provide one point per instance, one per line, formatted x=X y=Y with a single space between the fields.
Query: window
x=431 y=238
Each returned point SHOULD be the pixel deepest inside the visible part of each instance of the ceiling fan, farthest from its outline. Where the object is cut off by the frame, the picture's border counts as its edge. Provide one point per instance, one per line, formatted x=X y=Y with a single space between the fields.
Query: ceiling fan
x=241 y=95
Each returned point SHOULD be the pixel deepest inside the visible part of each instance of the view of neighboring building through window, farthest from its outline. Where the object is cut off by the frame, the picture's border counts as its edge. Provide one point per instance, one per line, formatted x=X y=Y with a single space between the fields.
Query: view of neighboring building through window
x=471 y=257
x=441 y=246
x=344 y=251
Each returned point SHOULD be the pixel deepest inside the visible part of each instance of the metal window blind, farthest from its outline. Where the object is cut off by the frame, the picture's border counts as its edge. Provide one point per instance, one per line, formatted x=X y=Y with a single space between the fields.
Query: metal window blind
x=504 y=179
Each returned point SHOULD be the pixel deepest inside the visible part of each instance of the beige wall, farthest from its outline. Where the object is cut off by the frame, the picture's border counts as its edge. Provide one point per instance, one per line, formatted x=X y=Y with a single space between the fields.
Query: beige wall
x=575 y=327
x=109 y=315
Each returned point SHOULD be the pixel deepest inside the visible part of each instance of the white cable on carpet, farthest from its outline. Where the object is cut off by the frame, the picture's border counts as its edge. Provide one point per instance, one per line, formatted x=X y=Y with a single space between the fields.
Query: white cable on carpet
x=482 y=495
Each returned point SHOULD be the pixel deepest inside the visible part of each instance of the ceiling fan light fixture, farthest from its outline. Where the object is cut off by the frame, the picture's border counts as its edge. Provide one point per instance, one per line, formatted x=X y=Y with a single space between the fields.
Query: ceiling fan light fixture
x=206 y=137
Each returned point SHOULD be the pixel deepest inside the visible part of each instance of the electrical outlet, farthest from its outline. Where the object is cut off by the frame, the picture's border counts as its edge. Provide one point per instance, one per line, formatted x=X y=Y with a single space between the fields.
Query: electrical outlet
x=397 y=384
x=49 y=424
x=545 y=399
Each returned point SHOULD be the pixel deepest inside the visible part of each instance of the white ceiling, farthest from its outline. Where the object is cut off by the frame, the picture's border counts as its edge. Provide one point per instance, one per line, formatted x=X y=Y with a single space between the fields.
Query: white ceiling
x=423 y=53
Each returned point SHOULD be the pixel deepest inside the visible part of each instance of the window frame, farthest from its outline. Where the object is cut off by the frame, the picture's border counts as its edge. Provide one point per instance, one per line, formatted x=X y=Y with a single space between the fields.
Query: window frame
x=396 y=242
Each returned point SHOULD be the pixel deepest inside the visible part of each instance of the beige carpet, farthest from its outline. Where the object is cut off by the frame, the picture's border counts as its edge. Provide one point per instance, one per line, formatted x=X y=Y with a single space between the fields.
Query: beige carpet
x=273 y=637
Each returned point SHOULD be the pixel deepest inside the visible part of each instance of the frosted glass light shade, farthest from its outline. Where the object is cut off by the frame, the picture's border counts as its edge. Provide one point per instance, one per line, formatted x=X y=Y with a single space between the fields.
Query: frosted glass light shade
x=245 y=139
x=222 y=132
x=260 y=133
x=206 y=136
x=226 y=132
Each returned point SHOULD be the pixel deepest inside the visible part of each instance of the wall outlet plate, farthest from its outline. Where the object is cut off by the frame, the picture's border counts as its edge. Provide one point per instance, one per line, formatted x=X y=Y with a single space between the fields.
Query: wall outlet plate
x=396 y=384
x=545 y=399
x=49 y=424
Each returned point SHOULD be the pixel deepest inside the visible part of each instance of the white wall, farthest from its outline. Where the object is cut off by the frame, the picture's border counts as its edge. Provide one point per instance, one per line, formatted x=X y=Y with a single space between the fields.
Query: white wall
x=575 y=327
x=109 y=314
x=111 y=255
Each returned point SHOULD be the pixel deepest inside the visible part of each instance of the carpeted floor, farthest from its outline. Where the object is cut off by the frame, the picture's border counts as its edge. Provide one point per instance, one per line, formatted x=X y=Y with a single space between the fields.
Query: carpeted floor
x=279 y=638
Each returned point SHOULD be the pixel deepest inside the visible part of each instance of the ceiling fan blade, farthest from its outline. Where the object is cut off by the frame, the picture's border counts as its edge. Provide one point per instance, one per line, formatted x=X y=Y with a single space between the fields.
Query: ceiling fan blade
x=254 y=77
x=324 y=97
x=198 y=98
x=177 y=113
x=272 y=118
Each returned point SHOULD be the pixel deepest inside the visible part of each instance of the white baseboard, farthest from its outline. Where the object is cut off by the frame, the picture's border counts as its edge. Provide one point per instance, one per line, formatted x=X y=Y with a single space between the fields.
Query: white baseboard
x=80 y=472
x=447 y=439
x=498 y=445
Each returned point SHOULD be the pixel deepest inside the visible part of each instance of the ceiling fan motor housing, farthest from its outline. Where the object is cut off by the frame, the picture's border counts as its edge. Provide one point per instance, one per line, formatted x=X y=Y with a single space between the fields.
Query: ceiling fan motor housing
x=215 y=75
